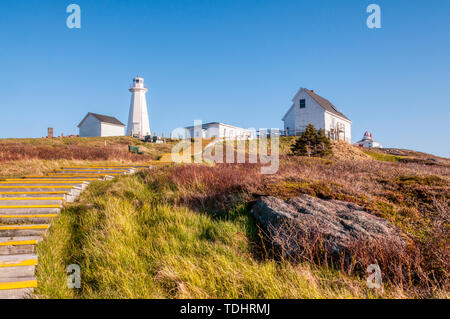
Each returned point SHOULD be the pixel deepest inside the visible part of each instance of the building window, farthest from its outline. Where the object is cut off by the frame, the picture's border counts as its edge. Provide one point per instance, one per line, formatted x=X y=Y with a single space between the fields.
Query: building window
x=302 y=103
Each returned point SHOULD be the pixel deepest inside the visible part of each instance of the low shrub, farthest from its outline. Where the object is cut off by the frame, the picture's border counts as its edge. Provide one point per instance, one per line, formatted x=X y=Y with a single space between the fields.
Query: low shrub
x=312 y=142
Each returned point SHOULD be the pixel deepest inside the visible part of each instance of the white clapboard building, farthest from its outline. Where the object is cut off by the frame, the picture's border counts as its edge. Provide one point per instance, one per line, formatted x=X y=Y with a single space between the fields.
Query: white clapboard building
x=94 y=125
x=310 y=108
x=219 y=130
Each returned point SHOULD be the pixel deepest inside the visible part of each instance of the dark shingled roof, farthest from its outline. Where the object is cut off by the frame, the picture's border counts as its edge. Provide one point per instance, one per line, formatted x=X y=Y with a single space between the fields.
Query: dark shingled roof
x=325 y=104
x=103 y=119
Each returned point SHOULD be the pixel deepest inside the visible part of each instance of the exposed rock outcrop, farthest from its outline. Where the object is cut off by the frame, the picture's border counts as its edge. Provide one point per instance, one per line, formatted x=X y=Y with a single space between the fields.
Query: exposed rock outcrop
x=339 y=225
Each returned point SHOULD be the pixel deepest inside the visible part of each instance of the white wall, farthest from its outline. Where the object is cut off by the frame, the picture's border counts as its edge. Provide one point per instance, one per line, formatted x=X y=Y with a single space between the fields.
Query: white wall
x=314 y=114
x=298 y=119
x=108 y=129
x=90 y=127
x=138 y=121
x=289 y=121
x=222 y=131
x=232 y=132
x=332 y=121
x=212 y=131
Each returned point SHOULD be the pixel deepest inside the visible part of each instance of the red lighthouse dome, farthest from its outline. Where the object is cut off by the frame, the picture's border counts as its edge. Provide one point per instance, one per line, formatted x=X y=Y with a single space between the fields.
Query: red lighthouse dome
x=367 y=136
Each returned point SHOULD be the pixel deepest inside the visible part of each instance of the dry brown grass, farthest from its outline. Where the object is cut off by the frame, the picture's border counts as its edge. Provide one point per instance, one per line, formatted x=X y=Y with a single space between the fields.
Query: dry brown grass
x=412 y=196
x=20 y=157
x=18 y=151
x=18 y=169
x=79 y=148
x=345 y=151
x=409 y=267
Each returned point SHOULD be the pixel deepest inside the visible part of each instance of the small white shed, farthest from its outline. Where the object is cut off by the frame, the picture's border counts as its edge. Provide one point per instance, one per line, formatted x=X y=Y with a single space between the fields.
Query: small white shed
x=97 y=125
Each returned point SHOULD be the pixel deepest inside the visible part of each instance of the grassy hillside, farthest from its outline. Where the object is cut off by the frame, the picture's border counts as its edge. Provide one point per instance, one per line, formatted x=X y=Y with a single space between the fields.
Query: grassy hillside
x=131 y=243
x=20 y=157
x=186 y=231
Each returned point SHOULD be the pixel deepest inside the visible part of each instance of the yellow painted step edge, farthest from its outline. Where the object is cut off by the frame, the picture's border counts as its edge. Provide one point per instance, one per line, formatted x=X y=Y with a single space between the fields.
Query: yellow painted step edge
x=41 y=182
x=30 y=216
x=11 y=227
x=50 y=180
x=12 y=186
x=18 y=284
x=31 y=206
x=82 y=175
x=18 y=242
x=29 y=193
x=96 y=167
x=91 y=170
x=27 y=262
x=65 y=175
x=111 y=167
x=32 y=198
x=59 y=174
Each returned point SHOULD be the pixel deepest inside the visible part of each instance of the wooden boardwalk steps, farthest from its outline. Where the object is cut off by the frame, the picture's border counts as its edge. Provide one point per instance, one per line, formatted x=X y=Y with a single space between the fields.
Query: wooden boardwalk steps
x=18 y=245
x=27 y=208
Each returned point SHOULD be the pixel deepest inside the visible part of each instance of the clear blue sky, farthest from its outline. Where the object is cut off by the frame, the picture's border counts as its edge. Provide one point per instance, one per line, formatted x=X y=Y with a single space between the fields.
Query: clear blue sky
x=238 y=62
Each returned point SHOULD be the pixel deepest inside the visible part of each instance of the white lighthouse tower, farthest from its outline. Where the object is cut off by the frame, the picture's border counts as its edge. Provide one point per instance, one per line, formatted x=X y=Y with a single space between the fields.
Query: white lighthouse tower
x=138 y=123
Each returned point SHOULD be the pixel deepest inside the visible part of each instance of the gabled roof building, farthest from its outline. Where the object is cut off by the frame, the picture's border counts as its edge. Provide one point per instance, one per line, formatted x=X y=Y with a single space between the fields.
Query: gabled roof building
x=98 y=125
x=310 y=108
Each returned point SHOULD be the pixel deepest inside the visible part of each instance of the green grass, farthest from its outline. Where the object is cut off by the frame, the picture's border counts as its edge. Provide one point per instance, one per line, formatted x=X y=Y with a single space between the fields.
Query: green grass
x=426 y=180
x=383 y=157
x=131 y=244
